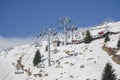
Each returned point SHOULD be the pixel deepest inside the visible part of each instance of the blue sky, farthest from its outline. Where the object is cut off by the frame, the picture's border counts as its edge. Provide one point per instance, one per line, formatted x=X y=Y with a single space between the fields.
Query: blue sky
x=22 y=18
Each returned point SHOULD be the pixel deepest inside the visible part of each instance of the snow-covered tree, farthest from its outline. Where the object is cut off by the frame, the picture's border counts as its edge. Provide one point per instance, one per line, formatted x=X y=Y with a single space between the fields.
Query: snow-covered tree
x=37 y=58
x=88 y=38
x=108 y=73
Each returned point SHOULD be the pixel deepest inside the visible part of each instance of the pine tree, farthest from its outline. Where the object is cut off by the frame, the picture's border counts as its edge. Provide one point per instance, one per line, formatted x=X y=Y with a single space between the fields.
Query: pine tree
x=108 y=73
x=107 y=38
x=118 y=44
x=37 y=58
x=88 y=38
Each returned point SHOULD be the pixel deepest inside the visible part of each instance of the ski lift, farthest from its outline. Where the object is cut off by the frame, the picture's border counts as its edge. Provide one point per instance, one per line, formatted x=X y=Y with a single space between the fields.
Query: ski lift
x=19 y=71
x=68 y=36
x=54 y=33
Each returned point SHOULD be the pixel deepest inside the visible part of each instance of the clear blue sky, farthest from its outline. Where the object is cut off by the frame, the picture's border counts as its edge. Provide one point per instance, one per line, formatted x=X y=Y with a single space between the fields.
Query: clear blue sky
x=22 y=18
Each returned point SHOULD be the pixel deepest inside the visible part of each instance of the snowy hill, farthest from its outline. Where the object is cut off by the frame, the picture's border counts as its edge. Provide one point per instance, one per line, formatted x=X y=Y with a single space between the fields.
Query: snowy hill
x=72 y=62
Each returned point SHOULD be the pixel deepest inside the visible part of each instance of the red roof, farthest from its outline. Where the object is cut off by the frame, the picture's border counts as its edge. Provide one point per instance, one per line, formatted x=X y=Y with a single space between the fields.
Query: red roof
x=101 y=33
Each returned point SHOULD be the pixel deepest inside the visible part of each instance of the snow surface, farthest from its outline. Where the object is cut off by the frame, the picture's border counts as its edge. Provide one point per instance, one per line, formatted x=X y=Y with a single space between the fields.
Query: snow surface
x=71 y=62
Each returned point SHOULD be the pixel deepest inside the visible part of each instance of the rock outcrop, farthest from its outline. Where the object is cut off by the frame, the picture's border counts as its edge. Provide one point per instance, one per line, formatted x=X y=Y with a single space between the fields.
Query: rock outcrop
x=112 y=52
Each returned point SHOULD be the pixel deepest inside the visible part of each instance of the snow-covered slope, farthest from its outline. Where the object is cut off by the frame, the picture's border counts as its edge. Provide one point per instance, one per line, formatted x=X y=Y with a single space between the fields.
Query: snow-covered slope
x=71 y=62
